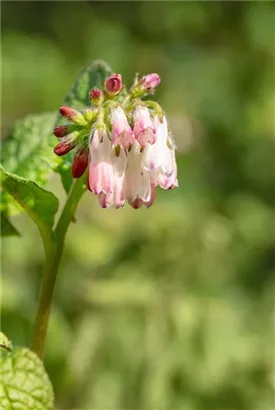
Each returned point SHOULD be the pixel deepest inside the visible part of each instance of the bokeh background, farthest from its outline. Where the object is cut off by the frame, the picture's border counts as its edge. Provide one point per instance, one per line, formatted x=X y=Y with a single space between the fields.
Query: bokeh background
x=173 y=307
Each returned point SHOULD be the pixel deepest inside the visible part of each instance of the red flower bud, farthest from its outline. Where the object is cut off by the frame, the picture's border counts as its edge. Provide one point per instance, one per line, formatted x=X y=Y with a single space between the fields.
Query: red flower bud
x=113 y=85
x=80 y=163
x=95 y=93
x=68 y=112
x=73 y=115
x=63 y=148
x=62 y=131
x=96 y=96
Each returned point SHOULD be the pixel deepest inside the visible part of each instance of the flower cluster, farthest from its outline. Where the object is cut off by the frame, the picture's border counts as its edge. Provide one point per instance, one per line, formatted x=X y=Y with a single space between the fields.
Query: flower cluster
x=123 y=141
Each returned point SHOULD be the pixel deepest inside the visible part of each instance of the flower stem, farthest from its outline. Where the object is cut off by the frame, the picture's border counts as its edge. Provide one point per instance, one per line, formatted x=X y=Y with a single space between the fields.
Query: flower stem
x=45 y=300
x=53 y=246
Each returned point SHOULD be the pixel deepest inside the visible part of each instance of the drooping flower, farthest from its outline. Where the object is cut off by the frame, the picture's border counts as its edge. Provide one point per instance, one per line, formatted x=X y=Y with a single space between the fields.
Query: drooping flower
x=137 y=182
x=125 y=144
x=144 y=128
x=122 y=133
x=100 y=167
x=137 y=203
x=116 y=197
x=159 y=158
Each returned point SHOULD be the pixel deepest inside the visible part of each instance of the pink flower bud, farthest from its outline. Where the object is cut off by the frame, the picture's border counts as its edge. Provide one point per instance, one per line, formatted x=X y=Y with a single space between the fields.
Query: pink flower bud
x=151 y=81
x=63 y=148
x=96 y=96
x=62 y=130
x=80 y=163
x=113 y=85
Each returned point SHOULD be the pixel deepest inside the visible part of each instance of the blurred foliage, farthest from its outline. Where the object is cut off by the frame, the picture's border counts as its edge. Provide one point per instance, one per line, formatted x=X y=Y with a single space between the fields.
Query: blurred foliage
x=171 y=308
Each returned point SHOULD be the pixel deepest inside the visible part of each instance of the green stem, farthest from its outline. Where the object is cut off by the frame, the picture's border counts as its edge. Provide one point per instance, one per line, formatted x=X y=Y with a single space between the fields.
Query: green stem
x=45 y=299
x=126 y=100
x=68 y=212
x=53 y=246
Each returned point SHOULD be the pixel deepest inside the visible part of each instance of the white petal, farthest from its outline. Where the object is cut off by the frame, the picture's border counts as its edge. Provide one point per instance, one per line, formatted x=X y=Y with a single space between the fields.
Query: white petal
x=150 y=159
x=161 y=130
x=119 y=162
x=100 y=151
x=117 y=114
x=144 y=187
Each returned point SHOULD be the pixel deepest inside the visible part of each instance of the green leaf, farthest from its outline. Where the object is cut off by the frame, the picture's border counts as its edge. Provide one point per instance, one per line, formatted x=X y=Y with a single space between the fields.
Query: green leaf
x=5 y=343
x=7 y=229
x=92 y=76
x=40 y=205
x=78 y=97
x=24 y=383
x=28 y=152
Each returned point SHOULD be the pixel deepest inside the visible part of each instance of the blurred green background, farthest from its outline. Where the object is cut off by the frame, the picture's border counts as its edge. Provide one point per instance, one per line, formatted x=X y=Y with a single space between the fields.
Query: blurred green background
x=171 y=308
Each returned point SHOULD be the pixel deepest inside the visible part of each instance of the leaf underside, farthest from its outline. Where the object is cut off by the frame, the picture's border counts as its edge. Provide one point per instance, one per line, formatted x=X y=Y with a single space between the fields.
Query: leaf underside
x=7 y=229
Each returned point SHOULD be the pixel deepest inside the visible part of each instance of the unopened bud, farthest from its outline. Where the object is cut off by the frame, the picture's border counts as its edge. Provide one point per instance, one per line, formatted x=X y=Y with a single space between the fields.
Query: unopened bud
x=80 y=163
x=63 y=147
x=145 y=86
x=96 y=96
x=150 y=81
x=63 y=130
x=113 y=85
x=72 y=115
x=68 y=112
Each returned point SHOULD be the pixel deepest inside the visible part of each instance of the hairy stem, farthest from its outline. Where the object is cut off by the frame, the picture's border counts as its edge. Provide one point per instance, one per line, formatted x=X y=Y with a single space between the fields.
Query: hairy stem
x=53 y=246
